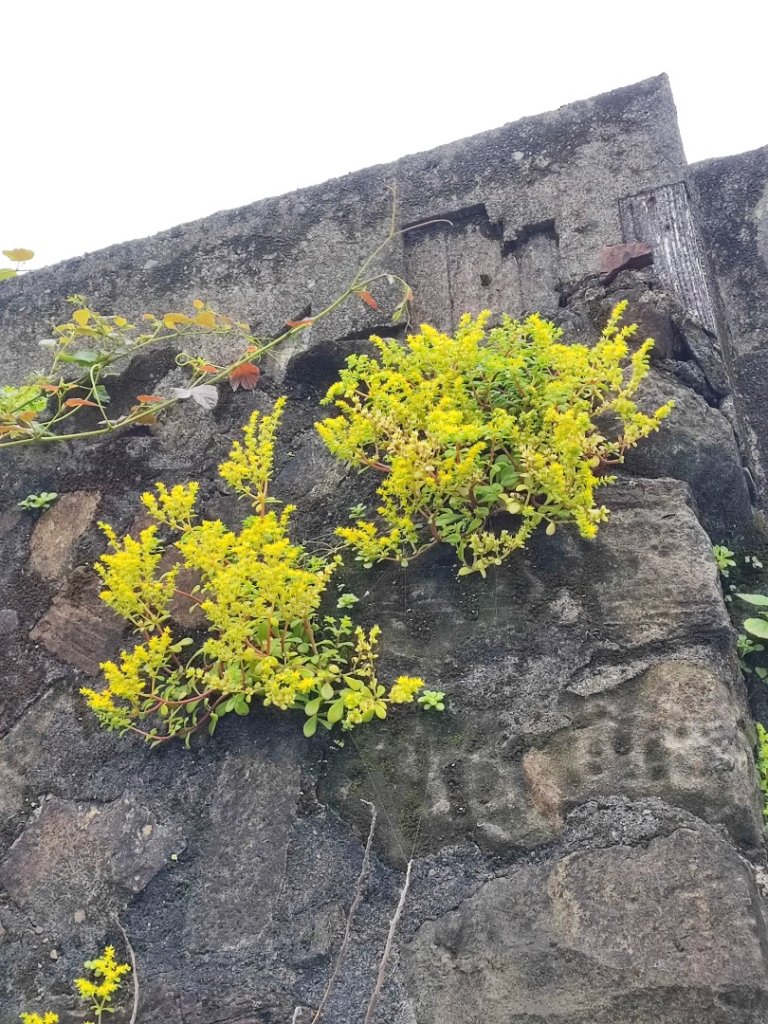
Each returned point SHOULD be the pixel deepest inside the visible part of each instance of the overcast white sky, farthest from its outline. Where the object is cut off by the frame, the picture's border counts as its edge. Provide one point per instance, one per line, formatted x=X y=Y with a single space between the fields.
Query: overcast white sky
x=121 y=119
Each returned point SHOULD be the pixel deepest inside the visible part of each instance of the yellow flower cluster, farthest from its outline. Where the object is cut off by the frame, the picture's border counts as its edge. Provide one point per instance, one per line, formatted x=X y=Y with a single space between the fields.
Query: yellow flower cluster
x=109 y=970
x=131 y=587
x=140 y=672
x=489 y=421
x=249 y=467
x=99 y=993
x=405 y=689
x=36 y=1018
x=260 y=595
x=360 y=707
x=174 y=508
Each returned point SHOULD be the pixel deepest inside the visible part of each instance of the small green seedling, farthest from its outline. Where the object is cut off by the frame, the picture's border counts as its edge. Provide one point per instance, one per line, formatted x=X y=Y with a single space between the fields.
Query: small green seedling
x=745 y=646
x=42 y=500
x=432 y=700
x=358 y=511
x=724 y=558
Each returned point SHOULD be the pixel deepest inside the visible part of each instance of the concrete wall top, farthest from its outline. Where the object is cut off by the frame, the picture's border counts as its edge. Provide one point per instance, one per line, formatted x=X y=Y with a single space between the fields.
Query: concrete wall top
x=553 y=180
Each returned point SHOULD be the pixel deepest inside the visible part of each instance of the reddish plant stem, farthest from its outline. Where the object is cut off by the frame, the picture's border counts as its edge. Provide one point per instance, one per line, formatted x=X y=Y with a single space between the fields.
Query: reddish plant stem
x=311 y=636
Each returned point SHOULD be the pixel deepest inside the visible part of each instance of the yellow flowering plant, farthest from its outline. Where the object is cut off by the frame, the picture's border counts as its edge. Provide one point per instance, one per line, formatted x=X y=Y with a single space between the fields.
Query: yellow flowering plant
x=107 y=981
x=17 y=256
x=107 y=973
x=483 y=436
x=266 y=641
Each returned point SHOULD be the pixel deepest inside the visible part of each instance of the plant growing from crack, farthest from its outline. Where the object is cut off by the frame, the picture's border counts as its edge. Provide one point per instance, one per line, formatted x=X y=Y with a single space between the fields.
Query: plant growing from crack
x=483 y=436
x=752 y=630
x=756 y=626
x=99 y=990
x=43 y=500
x=748 y=644
x=761 y=763
x=259 y=594
x=724 y=559
x=17 y=256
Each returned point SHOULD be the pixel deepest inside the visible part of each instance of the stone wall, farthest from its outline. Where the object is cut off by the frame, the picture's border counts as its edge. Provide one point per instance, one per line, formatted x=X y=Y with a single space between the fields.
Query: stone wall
x=584 y=818
x=734 y=205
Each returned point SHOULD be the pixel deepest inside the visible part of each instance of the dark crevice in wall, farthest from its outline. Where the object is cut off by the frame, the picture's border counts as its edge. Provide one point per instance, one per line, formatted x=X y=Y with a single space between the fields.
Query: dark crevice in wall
x=527 y=232
x=476 y=215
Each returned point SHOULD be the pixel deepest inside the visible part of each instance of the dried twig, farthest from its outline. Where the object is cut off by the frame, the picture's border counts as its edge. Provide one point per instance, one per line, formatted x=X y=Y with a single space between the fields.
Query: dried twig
x=388 y=947
x=134 y=973
x=350 y=916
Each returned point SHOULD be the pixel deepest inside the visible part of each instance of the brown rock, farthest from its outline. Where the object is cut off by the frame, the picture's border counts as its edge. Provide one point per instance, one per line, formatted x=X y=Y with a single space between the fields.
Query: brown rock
x=82 y=634
x=59 y=529
x=631 y=256
x=76 y=857
x=662 y=932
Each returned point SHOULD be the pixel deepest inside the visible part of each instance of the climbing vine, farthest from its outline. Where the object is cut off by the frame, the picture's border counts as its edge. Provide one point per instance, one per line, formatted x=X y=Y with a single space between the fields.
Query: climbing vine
x=90 y=348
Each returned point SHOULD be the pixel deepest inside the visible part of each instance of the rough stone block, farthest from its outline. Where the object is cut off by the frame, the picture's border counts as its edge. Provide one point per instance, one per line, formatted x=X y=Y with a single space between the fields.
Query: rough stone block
x=668 y=932
x=733 y=203
x=89 y=857
x=696 y=444
x=59 y=529
x=592 y=668
x=80 y=631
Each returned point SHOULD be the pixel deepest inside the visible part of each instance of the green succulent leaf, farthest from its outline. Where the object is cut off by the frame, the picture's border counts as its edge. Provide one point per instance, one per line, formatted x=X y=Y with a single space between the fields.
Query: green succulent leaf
x=310 y=727
x=757 y=627
x=336 y=711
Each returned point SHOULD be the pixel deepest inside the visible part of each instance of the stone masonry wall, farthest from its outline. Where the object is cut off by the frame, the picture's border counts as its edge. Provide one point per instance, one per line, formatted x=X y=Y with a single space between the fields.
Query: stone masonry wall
x=734 y=205
x=584 y=818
